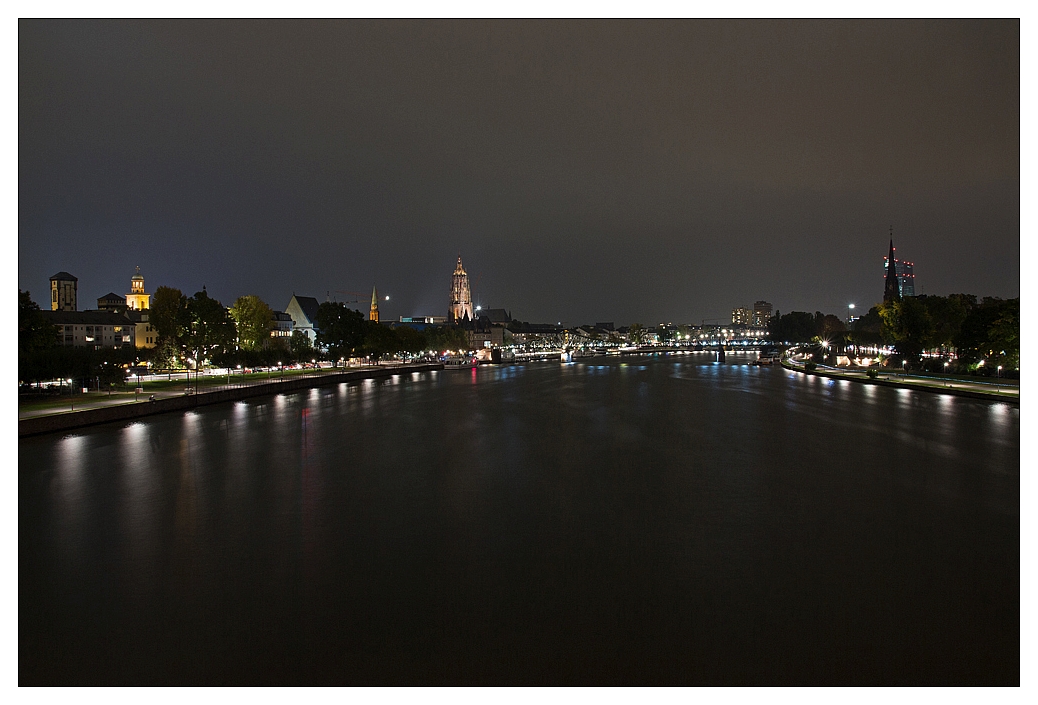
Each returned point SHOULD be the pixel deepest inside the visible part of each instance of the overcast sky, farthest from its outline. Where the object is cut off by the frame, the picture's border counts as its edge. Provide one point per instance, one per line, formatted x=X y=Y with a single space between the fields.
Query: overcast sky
x=586 y=171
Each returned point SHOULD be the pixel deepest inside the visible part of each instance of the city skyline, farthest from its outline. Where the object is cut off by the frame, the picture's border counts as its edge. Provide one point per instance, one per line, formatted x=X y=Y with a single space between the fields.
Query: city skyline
x=631 y=170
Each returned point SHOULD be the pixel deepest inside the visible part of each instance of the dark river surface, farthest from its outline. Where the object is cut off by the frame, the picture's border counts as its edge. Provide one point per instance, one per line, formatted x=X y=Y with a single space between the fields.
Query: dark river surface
x=651 y=520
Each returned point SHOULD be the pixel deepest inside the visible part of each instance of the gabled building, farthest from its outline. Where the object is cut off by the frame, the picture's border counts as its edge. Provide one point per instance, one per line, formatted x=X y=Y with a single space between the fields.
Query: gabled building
x=112 y=302
x=303 y=311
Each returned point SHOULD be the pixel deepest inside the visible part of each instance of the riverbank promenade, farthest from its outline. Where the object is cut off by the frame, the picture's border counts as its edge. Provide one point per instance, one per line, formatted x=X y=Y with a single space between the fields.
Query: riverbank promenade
x=156 y=397
x=995 y=390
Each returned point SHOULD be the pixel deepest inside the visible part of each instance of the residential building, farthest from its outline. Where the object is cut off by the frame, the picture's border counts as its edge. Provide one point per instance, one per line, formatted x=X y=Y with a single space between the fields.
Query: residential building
x=144 y=333
x=762 y=312
x=63 y=292
x=96 y=329
x=742 y=316
x=281 y=330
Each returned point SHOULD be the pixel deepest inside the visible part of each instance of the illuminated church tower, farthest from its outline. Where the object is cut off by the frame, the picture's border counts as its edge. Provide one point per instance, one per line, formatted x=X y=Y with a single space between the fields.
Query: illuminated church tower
x=373 y=314
x=461 y=296
x=137 y=300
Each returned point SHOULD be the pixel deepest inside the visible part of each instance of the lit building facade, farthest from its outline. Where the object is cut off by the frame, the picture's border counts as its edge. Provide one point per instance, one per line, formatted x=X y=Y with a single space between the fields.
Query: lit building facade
x=762 y=312
x=461 y=296
x=905 y=273
x=373 y=313
x=741 y=316
x=137 y=300
x=63 y=292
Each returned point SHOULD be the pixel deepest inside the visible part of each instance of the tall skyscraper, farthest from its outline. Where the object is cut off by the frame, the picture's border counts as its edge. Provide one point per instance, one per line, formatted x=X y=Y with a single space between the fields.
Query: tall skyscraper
x=461 y=296
x=904 y=274
x=762 y=311
x=373 y=314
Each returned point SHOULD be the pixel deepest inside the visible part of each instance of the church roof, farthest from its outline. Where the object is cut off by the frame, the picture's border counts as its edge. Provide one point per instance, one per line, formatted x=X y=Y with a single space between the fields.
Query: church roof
x=64 y=277
x=308 y=305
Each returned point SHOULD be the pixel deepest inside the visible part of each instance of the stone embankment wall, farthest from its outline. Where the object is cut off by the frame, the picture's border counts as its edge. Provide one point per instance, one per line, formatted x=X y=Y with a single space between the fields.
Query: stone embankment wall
x=75 y=419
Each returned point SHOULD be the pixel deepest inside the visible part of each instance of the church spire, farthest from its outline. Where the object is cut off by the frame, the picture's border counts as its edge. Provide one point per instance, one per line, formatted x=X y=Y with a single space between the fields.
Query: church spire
x=373 y=314
x=891 y=288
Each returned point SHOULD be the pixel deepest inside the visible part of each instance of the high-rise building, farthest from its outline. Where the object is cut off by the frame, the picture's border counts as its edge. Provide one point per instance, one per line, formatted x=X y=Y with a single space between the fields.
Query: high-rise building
x=137 y=300
x=373 y=313
x=63 y=292
x=762 y=311
x=904 y=275
x=741 y=316
x=461 y=296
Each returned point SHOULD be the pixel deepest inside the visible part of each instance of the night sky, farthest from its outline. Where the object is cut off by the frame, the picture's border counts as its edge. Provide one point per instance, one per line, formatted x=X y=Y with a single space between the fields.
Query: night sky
x=643 y=171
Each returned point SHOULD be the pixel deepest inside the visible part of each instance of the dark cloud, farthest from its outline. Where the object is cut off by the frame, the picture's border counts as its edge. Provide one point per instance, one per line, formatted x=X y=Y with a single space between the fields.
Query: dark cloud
x=585 y=170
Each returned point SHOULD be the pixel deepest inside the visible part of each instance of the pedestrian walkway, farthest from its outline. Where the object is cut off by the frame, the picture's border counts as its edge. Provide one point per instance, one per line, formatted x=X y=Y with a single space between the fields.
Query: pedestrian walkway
x=994 y=389
x=102 y=400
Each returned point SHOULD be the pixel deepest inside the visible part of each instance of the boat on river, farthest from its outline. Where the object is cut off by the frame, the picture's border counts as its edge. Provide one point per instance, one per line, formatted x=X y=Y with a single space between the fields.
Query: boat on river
x=459 y=363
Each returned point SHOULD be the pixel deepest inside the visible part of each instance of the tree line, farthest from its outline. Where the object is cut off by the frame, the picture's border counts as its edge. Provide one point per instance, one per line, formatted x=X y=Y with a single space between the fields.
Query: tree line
x=198 y=330
x=982 y=334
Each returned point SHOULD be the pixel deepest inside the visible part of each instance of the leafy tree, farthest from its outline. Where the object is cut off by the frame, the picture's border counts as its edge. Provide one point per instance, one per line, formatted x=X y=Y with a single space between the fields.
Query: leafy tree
x=379 y=340
x=168 y=314
x=254 y=320
x=37 y=338
x=440 y=338
x=409 y=340
x=793 y=327
x=340 y=329
x=636 y=333
x=909 y=325
x=868 y=329
x=300 y=346
x=991 y=331
x=211 y=329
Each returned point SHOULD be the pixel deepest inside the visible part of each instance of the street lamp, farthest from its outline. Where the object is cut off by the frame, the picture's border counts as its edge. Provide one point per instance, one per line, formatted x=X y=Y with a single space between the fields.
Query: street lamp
x=946 y=362
x=70 y=401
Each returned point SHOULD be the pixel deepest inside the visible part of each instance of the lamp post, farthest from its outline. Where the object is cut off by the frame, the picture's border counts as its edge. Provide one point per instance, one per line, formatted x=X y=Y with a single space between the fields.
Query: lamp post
x=998 y=374
x=946 y=372
x=70 y=401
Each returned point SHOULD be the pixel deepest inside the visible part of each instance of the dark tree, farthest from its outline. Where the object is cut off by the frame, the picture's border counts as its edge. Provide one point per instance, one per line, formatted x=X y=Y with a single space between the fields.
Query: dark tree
x=211 y=328
x=36 y=336
x=168 y=314
x=340 y=329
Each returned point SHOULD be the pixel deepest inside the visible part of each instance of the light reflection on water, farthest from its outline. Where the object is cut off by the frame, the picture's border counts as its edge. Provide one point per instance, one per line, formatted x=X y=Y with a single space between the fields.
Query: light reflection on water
x=721 y=512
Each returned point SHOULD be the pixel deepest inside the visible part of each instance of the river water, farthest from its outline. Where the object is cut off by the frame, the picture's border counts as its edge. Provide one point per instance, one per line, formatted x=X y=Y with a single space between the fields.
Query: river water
x=651 y=520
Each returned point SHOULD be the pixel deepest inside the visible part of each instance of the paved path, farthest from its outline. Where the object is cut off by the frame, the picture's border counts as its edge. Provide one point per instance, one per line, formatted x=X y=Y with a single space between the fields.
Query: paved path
x=95 y=400
x=992 y=388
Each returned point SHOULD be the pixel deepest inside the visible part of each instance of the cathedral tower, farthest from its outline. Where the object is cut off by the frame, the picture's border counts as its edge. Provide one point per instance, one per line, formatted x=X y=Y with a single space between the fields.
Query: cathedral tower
x=461 y=296
x=373 y=313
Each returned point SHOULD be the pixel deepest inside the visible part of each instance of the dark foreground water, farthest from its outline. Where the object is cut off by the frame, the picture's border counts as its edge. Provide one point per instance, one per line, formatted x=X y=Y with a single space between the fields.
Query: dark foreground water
x=652 y=520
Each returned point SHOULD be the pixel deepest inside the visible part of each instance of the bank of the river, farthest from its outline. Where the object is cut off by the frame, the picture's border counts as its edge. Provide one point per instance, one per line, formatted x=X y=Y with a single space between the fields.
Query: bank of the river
x=67 y=420
x=974 y=390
